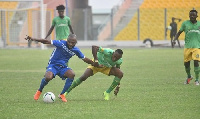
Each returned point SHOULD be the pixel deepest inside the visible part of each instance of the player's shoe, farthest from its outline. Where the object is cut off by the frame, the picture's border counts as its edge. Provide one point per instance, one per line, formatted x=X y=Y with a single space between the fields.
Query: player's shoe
x=197 y=83
x=106 y=95
x=37 y=95
x=64 y=94
x=62 y=97
x=188 y=80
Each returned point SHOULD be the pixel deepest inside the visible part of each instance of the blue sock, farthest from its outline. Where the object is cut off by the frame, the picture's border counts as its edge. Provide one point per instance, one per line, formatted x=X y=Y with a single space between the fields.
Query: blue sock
x=68 y=83
x=42 y=84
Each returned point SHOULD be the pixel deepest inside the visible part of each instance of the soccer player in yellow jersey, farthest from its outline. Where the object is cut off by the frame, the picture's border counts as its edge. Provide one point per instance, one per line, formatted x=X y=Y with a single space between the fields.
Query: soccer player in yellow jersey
x=108 y=62
x=192 y=45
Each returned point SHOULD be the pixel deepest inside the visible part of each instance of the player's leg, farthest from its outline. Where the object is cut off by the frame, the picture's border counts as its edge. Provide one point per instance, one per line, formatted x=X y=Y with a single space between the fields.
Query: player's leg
x=187 y=59
x=196 y=58
x=172 y=41
x=118 y=76
x=69 y=74
x=196 y=71
x=88 y=72
x=48 y=76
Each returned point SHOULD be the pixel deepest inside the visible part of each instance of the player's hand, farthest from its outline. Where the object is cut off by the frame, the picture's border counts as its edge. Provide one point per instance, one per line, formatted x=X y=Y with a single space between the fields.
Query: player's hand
x=28 y=38
x=116 y=90
x=96 y=64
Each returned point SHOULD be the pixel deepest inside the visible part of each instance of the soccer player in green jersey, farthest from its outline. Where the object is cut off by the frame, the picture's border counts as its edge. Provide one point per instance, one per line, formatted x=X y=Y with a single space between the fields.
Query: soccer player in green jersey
x=62 y=24
x=108 y=62
x=192 y=45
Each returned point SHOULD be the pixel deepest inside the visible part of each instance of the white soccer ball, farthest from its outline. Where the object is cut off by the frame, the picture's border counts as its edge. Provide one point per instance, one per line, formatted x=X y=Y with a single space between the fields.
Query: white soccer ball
x=48 y=97
x=169 y=28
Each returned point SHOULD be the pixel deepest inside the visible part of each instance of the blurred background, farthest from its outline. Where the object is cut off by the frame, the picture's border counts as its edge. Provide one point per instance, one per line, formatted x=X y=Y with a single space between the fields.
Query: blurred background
x=127 y=22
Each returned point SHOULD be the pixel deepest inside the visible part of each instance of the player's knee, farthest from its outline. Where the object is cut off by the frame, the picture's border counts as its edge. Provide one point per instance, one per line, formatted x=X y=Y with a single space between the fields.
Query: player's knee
x=48 y=78
x=187 y=64
x=72 y=75
x=120 y=74
x=196 y=63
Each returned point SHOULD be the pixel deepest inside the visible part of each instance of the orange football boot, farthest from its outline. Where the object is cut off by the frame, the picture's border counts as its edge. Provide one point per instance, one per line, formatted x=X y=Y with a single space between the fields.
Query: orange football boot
x=37 y=95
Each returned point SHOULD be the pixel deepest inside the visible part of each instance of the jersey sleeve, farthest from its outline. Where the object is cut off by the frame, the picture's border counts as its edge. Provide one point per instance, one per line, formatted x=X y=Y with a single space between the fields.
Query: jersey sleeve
x=69 y=21
x=119 y=62
x=182 y=27
x=79 y=54
x=105 y=51
x=57 y=43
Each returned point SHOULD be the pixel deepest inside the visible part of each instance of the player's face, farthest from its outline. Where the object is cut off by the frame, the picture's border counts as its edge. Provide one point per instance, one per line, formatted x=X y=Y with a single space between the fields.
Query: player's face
x=193 y=16
x=116 y=56
x=71 y=42
x=61 y=13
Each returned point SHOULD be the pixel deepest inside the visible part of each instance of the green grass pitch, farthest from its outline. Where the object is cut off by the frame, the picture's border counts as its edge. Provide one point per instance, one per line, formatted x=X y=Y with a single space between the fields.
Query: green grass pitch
x=152 y=87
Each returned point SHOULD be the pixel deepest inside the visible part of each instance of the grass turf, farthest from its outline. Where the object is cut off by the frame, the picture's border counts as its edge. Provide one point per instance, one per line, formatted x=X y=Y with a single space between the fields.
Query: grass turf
x=152 y=87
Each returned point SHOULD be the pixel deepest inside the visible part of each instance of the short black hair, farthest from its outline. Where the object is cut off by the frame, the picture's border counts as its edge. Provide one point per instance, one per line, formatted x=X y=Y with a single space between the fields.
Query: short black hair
x=72 y=36
x=119 y=51
x=193 y=11
x=60 y=7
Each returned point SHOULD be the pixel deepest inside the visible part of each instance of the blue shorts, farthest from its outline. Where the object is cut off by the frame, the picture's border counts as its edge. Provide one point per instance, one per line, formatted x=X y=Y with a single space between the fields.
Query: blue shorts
x=57 y=69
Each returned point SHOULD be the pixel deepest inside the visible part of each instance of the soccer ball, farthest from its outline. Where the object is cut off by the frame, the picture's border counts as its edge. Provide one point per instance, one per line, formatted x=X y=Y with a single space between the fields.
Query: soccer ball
x=48 y=97
x=169 y=28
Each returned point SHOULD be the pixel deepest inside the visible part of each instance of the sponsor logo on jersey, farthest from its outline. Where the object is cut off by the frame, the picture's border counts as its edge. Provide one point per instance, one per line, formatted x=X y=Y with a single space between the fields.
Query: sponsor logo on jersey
x=197 y=31
x=62 y=25
x=67 y=50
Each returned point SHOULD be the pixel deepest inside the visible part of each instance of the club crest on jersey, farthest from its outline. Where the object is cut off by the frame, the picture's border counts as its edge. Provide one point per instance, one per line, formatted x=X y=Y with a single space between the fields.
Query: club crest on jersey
x=197 y=56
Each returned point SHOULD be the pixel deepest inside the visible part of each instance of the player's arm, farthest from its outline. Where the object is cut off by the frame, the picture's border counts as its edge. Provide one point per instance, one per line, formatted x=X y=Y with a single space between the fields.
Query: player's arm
x=50 y=31
x=44 y=41
x=118 y=86
x=117 y=89
x=178 y=19
x=94 y=52
x=87 y=60
x=177 y=35
x=70 y=27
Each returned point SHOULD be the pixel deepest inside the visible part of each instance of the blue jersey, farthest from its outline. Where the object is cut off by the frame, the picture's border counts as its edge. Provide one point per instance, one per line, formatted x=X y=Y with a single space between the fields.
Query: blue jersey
x=61 y=54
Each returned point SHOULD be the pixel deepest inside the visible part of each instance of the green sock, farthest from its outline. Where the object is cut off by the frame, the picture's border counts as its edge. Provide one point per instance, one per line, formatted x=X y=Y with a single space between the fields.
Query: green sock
x=188 y=72
x=74 y=84
x=196 y=71
x=114 y=84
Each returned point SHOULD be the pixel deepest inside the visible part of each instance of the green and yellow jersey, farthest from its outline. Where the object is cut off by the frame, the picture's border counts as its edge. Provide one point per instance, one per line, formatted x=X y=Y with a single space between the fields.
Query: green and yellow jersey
x=104 y=56
x=62 y=27
x=192 y=34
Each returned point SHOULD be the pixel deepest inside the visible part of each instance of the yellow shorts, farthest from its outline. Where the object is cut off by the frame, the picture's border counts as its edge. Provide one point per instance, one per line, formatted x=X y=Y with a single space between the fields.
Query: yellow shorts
x=191 y=54
x=104 y=70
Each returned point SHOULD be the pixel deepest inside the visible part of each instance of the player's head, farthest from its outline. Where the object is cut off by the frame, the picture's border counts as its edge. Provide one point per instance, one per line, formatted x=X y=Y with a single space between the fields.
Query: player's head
x=193 y=15
x=173 y=19
x=117 y=55
x=60 y=9
x=71 y=41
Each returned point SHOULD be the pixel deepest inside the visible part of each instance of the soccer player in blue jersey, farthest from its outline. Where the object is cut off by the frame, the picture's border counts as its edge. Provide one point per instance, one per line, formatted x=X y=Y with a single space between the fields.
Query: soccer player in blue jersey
x=57 y=64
